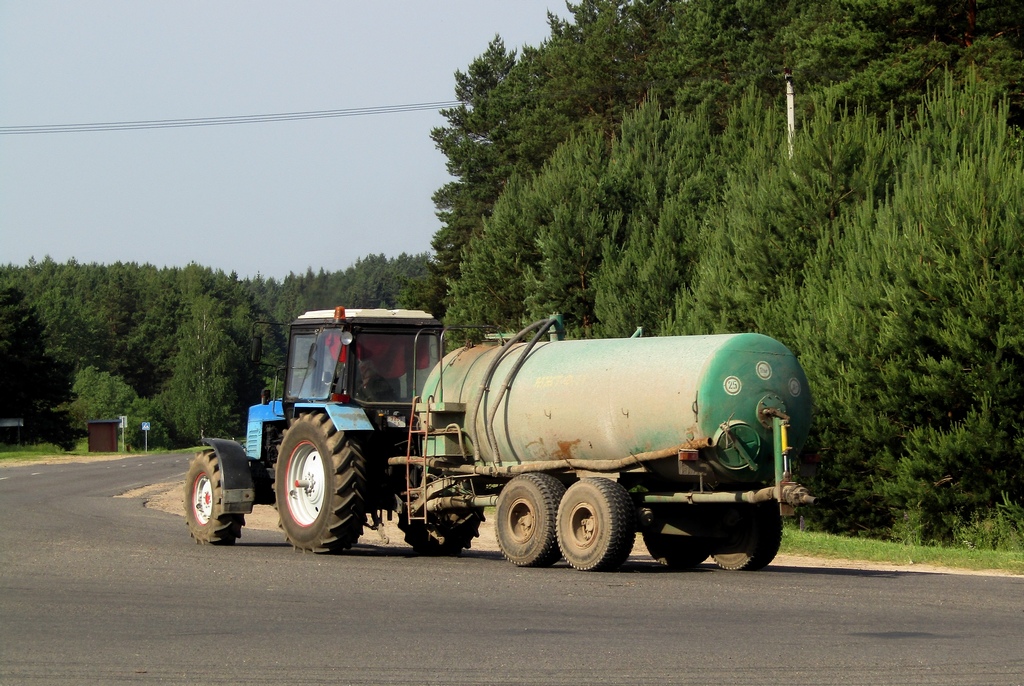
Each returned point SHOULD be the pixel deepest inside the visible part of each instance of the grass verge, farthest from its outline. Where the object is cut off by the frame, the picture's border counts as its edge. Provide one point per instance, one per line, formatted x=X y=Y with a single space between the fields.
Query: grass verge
x=25 y=453
x=44 y=451
x=830 y=546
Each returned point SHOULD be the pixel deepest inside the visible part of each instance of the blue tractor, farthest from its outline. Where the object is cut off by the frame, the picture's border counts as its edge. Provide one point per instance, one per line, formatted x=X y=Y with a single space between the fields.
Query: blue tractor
x=320 y=451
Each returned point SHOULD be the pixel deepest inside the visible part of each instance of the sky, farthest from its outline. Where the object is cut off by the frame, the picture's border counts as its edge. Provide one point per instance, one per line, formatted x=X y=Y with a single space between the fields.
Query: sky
x=267 y=198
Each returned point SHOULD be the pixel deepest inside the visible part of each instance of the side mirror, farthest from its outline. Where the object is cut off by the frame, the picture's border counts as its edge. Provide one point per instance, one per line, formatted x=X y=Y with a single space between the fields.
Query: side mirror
x=256 y=349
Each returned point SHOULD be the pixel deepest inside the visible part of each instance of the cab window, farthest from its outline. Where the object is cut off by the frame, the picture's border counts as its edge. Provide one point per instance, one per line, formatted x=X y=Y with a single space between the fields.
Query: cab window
x=392 y=367
x=312 y=362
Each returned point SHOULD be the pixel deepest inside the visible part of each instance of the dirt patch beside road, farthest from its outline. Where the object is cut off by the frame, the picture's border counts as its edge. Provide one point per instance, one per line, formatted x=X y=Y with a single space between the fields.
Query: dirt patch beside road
x=170 y=497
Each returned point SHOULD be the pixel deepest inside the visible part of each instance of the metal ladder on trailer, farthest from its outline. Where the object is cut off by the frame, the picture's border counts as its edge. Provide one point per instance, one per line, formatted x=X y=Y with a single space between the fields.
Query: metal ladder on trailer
x=416 y=493
x=422 y=432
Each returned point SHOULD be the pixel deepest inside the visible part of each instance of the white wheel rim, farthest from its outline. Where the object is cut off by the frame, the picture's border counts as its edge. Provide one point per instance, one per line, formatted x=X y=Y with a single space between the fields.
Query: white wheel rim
x=202 y=499
x=305 y=484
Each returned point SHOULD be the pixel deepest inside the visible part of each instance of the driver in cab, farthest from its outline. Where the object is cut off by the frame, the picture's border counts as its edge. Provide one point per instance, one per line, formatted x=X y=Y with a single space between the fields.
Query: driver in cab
x=372 y=386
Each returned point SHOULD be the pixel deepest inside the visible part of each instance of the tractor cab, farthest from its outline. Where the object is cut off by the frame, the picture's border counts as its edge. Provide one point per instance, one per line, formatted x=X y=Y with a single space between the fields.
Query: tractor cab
x=360 y=367
x=370 y=357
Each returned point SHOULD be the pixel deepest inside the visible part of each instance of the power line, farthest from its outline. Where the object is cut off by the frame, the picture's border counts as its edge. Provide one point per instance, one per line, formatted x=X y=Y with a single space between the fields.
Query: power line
x=225 y=121
x=319 y=114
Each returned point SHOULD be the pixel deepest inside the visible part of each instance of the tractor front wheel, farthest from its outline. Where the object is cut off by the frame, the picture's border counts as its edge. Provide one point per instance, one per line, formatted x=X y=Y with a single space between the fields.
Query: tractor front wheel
x=204 y=503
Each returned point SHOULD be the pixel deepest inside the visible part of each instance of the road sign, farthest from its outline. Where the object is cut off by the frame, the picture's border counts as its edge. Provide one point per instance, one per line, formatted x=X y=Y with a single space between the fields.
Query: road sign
x=145 y=426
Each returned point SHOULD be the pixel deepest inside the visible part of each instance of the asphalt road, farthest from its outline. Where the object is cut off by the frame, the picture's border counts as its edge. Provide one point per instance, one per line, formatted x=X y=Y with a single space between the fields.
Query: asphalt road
x=101 y=590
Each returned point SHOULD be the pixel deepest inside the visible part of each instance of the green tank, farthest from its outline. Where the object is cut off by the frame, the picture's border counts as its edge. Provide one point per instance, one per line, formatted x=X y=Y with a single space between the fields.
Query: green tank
x=707 y=398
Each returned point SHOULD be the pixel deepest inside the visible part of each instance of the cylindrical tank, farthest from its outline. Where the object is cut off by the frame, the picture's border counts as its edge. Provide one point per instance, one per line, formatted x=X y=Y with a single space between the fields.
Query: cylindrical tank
x=611 y=398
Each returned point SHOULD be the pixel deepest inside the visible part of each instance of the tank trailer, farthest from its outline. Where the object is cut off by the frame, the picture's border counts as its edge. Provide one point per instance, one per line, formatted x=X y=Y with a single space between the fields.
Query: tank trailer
x=576 y=444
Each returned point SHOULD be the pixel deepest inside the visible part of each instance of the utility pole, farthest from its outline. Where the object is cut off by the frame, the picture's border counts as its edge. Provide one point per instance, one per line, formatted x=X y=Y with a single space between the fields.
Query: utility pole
x=790 y=109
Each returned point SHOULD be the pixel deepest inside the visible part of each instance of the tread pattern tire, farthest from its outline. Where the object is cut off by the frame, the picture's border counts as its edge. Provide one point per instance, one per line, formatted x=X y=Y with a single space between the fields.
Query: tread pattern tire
x=324 y=517
x=757 y=540
x=445 y=535
x=204 y=503
x=527 y=520
x=596 y=525
x=676 y=552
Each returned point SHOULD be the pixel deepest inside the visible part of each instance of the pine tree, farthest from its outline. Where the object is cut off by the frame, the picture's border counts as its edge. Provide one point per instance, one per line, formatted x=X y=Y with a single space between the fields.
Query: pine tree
x=492 y=288
x=37 y=388
x=199 y=396
x=914 y=348
x=662 y=171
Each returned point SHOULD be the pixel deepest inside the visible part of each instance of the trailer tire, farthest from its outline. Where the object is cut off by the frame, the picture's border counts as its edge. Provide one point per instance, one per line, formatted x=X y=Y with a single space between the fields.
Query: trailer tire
x=320 y=486
x=204 y=503
x=596 y=525
x=676 y=552
x=527 y=520
x=755 y=542
x=444 y=535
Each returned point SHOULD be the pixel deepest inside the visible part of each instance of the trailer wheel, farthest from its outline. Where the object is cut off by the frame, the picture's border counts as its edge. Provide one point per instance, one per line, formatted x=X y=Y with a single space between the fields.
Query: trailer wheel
x=596 y=525
x=676 y=552
x=444 y=534
x=320 y=486
x=755 y=542
x=204 y=503
x=527 y=518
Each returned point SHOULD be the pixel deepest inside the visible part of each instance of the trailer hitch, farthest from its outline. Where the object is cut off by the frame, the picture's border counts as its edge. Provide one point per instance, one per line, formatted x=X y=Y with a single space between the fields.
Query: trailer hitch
x=794 y=494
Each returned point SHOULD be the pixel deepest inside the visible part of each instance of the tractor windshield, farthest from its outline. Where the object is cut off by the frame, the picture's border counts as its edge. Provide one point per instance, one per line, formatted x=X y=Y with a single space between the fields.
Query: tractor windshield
x=392 y=367
x=312 y=362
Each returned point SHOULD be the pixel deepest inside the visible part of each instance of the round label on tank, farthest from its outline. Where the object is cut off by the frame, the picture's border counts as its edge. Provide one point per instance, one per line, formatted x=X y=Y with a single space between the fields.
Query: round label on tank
x=794 y=387
x=764 y=370
x=732 y=385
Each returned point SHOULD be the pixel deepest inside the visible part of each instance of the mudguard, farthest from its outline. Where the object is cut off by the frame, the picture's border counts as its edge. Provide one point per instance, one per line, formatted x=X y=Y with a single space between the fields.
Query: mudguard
x=238 y=490
x=345 y=417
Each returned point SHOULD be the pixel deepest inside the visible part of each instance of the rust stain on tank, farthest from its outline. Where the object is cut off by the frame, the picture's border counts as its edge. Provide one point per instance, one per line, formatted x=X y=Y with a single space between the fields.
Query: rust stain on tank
x=564 y=451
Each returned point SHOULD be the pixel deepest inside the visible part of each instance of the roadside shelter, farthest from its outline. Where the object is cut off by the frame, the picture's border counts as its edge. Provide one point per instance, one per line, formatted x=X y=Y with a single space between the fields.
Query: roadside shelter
x=13 y=423
x=103 y=435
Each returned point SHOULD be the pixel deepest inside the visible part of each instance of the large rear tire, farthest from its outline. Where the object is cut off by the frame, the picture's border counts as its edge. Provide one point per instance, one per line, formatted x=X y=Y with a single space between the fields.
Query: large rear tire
x=527 y=520
x=755 y=541
x=204 y=503
x=320 y=486
x=596 y=525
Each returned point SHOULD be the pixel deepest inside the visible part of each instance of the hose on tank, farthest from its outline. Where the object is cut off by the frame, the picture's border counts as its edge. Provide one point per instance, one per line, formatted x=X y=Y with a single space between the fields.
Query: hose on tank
x=492 y=439
x=609 y=465
x=474 y=404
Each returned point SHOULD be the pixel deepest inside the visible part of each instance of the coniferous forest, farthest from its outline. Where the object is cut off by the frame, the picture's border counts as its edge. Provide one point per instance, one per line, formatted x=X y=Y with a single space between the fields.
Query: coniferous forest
x=169 y=346
x=635 y=170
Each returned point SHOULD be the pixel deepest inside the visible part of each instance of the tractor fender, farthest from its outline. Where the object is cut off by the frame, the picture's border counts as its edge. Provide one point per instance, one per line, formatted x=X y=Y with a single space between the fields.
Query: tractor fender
x=239 y=492
x=345 y=417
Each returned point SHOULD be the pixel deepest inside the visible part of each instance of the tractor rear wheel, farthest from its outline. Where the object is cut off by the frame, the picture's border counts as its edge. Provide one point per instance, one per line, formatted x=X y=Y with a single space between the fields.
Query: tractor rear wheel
x=320 y=486
x=596 y=525
x=204 y=503
x=755 y=541
x=527 y=520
